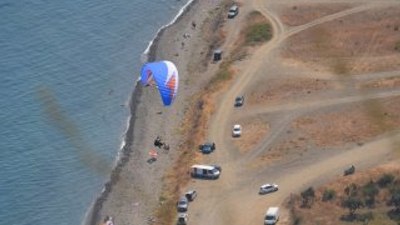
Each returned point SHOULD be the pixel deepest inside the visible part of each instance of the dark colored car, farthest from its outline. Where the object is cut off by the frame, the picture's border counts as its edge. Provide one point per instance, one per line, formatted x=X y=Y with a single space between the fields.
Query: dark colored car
x=349 y=170
x=191 y=195
x=207 y=147
x=239 y=101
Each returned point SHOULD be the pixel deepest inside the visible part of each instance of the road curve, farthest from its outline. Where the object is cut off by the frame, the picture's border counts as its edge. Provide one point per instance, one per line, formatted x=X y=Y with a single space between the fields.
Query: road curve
x=232 y=199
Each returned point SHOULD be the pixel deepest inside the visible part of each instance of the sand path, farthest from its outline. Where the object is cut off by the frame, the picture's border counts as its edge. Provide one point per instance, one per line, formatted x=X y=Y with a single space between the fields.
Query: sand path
x=233 y=199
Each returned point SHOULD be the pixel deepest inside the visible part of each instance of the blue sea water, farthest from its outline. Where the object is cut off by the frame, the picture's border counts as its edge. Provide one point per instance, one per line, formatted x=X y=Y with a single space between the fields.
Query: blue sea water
x=67 y=69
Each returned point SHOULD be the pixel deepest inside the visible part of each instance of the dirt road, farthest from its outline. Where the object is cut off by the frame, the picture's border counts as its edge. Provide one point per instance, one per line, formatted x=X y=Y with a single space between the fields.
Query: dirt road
x=234 y=199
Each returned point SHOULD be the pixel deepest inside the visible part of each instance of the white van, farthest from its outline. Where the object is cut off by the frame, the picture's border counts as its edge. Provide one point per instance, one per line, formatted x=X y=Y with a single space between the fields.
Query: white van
x=271 y=216
x=206 y=171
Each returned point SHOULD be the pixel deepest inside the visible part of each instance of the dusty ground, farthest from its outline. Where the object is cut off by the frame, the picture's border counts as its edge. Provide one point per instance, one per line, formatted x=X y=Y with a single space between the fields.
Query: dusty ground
x=319 y=208
x=321 y=95
x=137 y=193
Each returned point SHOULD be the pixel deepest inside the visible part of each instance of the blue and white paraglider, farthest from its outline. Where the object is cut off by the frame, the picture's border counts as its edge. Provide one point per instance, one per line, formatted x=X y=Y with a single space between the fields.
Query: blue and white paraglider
x=164 y=76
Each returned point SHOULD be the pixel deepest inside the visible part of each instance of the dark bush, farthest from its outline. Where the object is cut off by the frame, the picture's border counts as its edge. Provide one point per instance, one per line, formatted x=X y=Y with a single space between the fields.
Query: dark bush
x=395 y=199
x=329 y=194
x=370 y=189
x=365 y=217
x=352 y=203
x=370 y=202
x=308 y=197
x=351 y=190
x=385 y=180
x=394 y=215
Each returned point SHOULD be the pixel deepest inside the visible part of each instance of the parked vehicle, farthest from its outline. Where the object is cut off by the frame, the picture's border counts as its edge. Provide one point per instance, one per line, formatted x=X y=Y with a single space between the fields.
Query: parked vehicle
x=182 y=219
x=271 y=216
x=267 y=188
x=233 y=11
x=237 y=130
x=191 y=195
x=207 y=147
x=182 y=204
x=206 y=171
x=108 y=220
x=239 y=100
x=349 y=170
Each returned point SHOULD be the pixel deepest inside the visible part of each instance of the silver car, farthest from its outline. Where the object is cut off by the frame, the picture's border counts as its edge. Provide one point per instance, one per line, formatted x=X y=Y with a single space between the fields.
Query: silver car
x=182 y=204
x=267 y=188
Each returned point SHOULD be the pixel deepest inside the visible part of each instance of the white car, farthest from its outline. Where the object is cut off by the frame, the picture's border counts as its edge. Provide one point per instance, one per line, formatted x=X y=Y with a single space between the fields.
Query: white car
x=267 y=188
x=237 y=130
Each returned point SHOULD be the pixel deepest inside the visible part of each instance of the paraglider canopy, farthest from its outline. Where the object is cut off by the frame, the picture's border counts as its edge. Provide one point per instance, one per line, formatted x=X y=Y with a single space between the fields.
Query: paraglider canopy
x=164 y=76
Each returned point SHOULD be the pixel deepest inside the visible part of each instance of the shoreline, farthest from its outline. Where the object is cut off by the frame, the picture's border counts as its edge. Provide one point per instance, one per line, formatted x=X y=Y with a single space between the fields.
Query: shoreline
x=123 y=156
x=151 y=48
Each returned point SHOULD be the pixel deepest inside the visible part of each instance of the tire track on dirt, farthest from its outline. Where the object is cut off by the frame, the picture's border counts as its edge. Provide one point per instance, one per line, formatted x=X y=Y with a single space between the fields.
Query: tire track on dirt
x=312 y=105
x=301 y=176
x=218 y=209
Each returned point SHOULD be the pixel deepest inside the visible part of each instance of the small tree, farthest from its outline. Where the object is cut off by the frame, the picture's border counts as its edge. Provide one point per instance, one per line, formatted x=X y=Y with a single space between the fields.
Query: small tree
x=385 y=180
x=352 y=203
x=308 y=197
x=329 y=194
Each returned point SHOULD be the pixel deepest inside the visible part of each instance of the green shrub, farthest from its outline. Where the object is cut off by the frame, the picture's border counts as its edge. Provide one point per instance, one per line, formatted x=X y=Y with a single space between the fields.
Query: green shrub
x=352 y=203
x=351 y=190
x=370 y=189
x=329 y=194
x=258 y=33
x=395 y=199
x=385 y=180
x=370 y=202
x=368 y=216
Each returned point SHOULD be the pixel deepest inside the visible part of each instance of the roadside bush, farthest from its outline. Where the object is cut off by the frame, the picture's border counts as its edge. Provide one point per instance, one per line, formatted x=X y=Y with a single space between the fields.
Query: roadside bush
x=395 y=199
x=394 y=215
x=308 y=197
x=258 y=33
x=370 y=202
x=385 y=180
x=352 y=203
x=329 y=194
x=365 y=217
x=370 y=189
x=351 y=190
